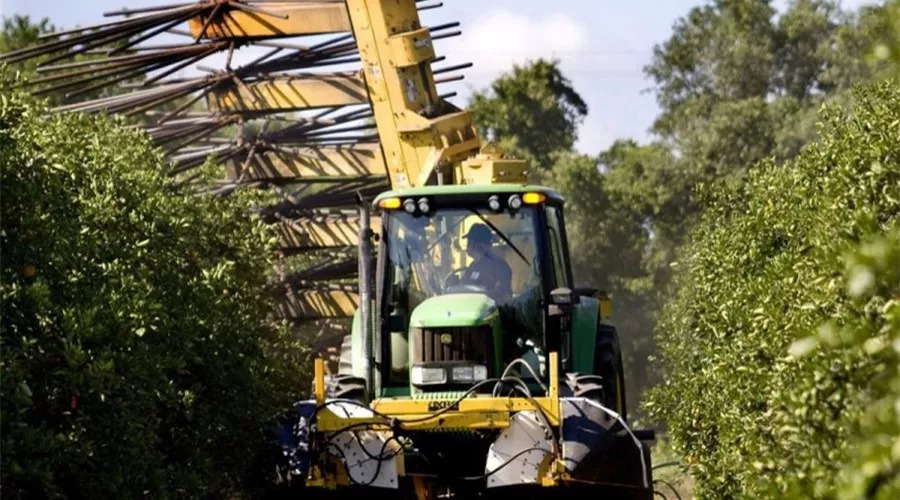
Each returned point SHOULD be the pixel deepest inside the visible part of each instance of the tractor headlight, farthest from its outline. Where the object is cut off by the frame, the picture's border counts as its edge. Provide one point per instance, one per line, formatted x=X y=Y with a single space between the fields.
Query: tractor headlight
x=422 y=375
x=409 y=205
x=515 y=202
x=471 y=373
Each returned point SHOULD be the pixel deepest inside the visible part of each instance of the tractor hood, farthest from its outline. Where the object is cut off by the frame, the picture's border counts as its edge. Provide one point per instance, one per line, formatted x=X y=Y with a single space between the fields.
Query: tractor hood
x=455 y=309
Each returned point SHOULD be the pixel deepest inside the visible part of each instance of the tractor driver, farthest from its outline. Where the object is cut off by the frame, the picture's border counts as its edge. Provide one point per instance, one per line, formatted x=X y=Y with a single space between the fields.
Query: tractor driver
x=488 y=270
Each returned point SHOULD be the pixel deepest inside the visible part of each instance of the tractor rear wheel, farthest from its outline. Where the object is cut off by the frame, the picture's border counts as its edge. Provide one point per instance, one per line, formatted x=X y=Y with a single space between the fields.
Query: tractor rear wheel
x=345 y=387
x=606 y=385
x=345 y=363
x=608 y=365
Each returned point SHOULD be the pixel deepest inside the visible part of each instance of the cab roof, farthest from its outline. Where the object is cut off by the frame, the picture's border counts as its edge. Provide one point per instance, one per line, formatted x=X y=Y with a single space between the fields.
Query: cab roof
x=470 y=189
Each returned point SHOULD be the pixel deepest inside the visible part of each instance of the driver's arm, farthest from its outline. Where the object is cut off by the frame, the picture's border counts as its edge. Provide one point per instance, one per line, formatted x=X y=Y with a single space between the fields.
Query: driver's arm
x=502 y=282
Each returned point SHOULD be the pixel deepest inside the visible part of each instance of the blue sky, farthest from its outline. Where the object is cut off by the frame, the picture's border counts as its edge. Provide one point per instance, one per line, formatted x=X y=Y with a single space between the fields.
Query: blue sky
x=602 y=45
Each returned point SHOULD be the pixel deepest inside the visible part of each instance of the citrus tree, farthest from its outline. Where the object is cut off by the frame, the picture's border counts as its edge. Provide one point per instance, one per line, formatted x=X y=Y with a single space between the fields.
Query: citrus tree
x=780 y=347
x=137 y=358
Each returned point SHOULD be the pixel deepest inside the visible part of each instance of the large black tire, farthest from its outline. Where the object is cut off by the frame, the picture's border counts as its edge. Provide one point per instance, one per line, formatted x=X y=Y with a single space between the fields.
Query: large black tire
x=606 y=384
x=345 y=364
x=345 y=387
x=608 y=365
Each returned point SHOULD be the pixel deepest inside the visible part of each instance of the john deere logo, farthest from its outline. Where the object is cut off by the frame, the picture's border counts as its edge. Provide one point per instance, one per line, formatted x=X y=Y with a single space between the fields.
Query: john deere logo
x=440 y=405
x=446 y=338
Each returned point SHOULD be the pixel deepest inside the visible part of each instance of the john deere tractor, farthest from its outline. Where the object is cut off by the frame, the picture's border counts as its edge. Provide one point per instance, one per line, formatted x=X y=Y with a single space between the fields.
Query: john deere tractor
x=475 y=366
x=450 y=384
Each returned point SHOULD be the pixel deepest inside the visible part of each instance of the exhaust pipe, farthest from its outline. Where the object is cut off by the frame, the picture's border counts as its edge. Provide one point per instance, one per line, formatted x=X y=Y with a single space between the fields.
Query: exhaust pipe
x=366 y=285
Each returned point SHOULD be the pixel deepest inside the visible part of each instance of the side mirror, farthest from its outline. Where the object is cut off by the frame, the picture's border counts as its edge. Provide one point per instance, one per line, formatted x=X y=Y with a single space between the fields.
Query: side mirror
x=562 y=300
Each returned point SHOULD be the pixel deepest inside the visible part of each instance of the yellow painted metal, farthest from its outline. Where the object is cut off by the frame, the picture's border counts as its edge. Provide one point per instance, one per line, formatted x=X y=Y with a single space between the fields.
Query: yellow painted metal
x=319 y=377
x=420 y=134
x=605 y=305
x=411 y=48
x=489 y=167
x=322 y=161
x=328 y=421
x=290 y=93
x=307 y=18
x=323 y=232
x=553 y=388
x=469 y=413
x=413 y=408
x=315 y=304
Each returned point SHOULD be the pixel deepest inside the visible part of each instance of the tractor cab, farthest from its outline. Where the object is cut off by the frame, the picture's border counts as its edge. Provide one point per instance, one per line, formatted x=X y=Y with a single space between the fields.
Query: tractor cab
x=464 y=280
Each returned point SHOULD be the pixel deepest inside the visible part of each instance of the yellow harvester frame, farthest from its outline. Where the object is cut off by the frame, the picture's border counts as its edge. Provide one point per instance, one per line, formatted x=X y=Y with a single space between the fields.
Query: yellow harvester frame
x=475 y=413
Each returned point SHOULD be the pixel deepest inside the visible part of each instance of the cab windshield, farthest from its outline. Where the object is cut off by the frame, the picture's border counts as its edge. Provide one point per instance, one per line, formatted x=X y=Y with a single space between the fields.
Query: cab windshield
x=462 y=250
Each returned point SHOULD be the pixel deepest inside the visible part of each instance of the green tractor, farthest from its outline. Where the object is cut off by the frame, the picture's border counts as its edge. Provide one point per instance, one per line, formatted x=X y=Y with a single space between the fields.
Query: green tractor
x=470 y=310
x=437 y=329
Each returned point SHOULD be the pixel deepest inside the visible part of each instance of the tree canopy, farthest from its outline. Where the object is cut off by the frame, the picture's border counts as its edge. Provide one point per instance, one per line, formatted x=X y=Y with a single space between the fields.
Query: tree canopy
x=533 y=111
x=137 y=356
x=737 y=83
x=746 y=397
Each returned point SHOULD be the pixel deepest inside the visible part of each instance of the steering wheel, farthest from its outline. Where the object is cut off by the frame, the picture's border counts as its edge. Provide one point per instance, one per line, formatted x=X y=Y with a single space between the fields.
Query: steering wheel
x=453 y=283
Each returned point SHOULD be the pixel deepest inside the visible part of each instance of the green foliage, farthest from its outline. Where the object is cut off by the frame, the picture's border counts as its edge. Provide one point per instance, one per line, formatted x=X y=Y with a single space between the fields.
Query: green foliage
x=19 y=32
x=873 y=282
x=532 y=111
x=737 y=84
x=600 y=230
x=755 y=408
x=885 y=23
x=136 y=356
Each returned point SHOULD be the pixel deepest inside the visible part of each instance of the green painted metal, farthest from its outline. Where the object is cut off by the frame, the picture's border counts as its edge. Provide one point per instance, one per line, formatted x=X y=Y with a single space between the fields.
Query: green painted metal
x=394 y=392
x=584 y=334
x=454 y=310
x=439 y=395
x=356 y=343
x=464 y=189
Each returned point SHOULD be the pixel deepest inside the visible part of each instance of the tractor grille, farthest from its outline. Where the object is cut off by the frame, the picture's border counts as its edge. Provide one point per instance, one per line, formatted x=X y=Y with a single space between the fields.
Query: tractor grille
x=465 y=344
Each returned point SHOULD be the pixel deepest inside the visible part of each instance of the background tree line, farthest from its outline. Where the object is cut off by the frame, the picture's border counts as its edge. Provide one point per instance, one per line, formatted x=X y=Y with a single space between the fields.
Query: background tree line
x=736 y=83
x=728 y=234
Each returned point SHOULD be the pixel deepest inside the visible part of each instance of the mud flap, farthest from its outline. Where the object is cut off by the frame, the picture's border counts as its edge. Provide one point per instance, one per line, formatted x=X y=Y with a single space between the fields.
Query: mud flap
x=369 y=458
x=521 y=453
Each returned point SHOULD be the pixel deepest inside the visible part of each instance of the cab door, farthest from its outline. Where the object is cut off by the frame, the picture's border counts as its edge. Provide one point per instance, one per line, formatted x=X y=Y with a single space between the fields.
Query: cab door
x=559 y=275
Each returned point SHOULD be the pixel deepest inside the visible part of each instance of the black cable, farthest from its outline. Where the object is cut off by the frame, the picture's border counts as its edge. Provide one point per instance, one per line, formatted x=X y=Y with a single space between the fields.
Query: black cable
x=671 y=487
x=382 y=458
x=523 y=388
x=353 y=402
x=453 y=405
x=355 y=435
x=340 y=431
x=667 y=464
x=442 y=411
x=657 y=493
x=514 y=382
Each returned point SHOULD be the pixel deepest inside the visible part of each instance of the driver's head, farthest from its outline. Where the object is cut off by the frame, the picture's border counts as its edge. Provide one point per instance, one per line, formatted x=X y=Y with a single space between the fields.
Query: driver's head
x=479 y=240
